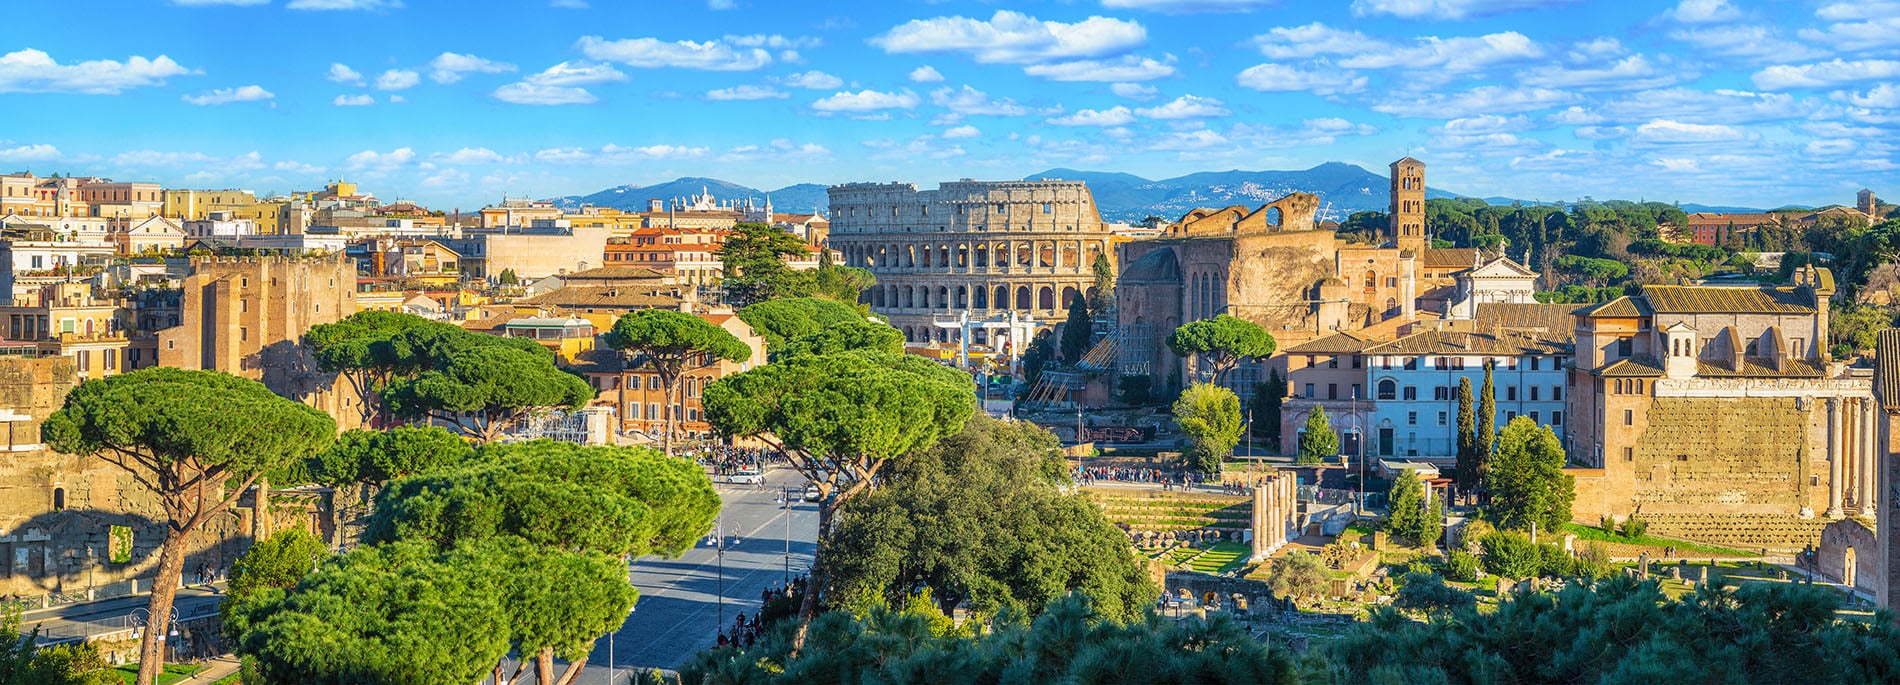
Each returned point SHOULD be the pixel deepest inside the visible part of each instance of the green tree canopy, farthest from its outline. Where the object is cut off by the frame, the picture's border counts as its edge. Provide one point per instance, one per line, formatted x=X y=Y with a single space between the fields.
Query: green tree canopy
x=784 y=320
x=1223 y=340
x=197 y=440
x=482 y=391
x=277 y=562
x=754 y=261
x=1484 y=437
x=1269 y=399
x=1102 y=291
x=1210 y=416
x=1070 y=643
x=358 y=349
x=1297 y=574
x=981 y=519
x=1318 y=442
x=1527 y=483
x=840 y=418
x=673 y=344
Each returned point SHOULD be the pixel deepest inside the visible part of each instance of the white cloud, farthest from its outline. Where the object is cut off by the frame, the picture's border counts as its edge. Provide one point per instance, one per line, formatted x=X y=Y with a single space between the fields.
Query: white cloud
x=722 y=5
x=222 y=96
x=650 y=53
x=1185 y=6
x=529 y=93
x=342 y=73
x=1113 y=116
x=1015 y=38
x=1671 y=131
x=1319 y=80
x=779 y=150
x=560 y=85
x=1675 y=164
x=1720 y=106
x=1703 y=11
x=925 y=74
x=962 y=132
x=815 y=80
x=746 y=92
x=1630 y=73
x=359 y=100
x=1188 y=140
x=397 y=79
x=1292 y=42
x=329 y=5
x=34 y=71
x=397 y=99
x=1830 y=148
x=1453 y=55
x=1480 y=100
x=468 y=155
x=1126 y=69
x=866 y=100
x=297 y=167
x=1186 y=107
x=1445 y=9
x=618 y=154
x=1134 y=91
x=1782 y=76
x=773 y=41
x=155 y=158
x=1754 y=43
x=450 y=67
x=381 y=161
x=1858 y=9
x=973 y=102
x=1883 y=96
x=1872 y=33
x=39 y=152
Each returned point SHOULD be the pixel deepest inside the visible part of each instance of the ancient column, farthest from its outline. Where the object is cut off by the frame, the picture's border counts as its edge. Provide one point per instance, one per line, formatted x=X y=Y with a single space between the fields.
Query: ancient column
x=1834 y=470
x=1868 y=459
x=1260 y=528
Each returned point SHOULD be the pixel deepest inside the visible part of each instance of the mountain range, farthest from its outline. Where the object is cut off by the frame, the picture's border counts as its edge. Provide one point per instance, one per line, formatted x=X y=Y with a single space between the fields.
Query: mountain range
x=1342 y=189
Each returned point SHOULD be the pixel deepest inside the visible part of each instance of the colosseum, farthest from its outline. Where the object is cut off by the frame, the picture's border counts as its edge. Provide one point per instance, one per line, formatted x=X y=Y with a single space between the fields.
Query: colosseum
x=989 y=248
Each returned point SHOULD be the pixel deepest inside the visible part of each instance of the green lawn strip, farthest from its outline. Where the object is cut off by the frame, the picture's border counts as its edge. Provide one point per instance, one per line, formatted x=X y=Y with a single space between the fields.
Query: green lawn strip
x=1219 y=557
x=172 y=673
x=1584 y=532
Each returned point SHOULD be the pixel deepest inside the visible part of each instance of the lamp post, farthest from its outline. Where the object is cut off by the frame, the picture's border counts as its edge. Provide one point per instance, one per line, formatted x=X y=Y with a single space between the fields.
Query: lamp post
x=788 y=537
x=719 y=555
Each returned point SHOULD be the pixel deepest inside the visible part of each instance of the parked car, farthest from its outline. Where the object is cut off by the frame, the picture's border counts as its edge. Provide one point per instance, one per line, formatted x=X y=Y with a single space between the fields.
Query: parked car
x=811 y=493
x=742 y=477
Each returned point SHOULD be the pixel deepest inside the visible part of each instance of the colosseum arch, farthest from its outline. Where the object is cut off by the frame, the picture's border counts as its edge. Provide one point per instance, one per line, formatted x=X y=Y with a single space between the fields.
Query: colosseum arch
x=1022 y=297
x=1046 y=298
x=1071 y=253
x=963 y=298
x=963 y=255
x=1045 y=254
x=1023 y=254
x=943 y=297
x=1002 y=297
x=1069 y=296
x=981 y=298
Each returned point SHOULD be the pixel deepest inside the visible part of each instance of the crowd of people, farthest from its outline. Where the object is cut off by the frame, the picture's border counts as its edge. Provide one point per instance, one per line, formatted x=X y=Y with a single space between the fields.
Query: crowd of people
x=746 y=630
x=1168 y=480
x=725 y=461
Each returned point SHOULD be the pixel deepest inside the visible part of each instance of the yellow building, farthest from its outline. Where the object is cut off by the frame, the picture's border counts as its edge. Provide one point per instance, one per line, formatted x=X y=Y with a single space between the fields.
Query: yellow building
x=189 y=205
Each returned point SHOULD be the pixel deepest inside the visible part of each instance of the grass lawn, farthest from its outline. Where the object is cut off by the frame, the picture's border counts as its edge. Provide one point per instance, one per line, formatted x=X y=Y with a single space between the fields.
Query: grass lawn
x=1223 y=557
x=172 y=674
x=1584 y=532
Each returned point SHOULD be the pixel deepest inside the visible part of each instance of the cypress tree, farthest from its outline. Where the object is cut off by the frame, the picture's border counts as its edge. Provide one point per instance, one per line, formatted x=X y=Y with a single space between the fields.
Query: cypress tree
x=1075 y=332
x=1487 y=433
x=1467 y=441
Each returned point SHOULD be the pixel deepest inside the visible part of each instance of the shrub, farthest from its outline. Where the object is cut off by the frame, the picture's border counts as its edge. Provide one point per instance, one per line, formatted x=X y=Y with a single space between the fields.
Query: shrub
x=1473 y=534
x=1461 y=566
x=1511 y=555
x=1425 y=591
x=1592 y=562
x=1337 y=555
x=1607 y=523
x=1298 y=574
x=1634 y=527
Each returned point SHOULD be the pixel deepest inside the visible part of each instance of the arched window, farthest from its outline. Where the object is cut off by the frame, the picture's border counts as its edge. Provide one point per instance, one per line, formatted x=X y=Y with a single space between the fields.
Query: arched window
x=982 y=300
x=59 y=499
x=1388 y=389
x=943 y=297
x=1022 y=297
x=1046 y=298
x=1069 y=296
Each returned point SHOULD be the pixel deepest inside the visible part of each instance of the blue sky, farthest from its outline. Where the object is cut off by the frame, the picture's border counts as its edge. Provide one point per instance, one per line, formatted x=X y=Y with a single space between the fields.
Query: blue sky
x=456 y=103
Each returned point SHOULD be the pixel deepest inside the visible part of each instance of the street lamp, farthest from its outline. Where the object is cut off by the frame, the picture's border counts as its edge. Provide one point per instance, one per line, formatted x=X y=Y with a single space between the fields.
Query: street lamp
x=719 y=554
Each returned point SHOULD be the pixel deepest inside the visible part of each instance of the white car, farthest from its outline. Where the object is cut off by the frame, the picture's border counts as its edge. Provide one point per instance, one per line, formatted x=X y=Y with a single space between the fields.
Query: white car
x=811 y=493
x=742 y=477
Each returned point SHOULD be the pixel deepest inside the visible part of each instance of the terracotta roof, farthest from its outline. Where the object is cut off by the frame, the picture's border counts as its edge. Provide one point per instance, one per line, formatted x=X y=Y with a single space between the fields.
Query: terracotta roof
x=1622 y=307
x=1754 y=368
x=1887 y=369
x=1458 y=342
x=1450 y=258
x=604 y=297
x=1714 y=219
x=1535 y=317
x=617 y=273
x=1337 y=343
x=1689 y=299
x=1640 y=366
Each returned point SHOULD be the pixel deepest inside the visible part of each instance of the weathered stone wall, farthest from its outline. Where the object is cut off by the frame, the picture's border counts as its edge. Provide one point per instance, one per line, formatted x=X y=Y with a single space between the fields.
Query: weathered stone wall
x=1845 y=544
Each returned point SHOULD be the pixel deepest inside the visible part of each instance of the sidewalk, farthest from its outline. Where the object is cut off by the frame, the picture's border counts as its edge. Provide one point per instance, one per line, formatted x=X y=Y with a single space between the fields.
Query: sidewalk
x=82 y=620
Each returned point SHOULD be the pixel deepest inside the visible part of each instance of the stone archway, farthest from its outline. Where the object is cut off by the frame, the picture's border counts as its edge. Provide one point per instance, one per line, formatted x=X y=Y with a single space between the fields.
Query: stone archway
x=1847 y=567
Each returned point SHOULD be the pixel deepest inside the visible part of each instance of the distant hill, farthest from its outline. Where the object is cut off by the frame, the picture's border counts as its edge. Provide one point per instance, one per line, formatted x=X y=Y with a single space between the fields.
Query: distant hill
x=794 y=199
x=1342 y=188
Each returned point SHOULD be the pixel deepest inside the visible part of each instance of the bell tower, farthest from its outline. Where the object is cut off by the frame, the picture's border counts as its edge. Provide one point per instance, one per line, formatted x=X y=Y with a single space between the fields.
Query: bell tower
x=1408 y=206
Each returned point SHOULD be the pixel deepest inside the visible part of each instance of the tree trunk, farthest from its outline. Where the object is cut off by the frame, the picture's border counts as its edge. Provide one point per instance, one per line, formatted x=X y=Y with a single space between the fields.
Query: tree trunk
x=814 y=579
x=260 y=514
x=171 y=568
x=544 y=666
x=573 y=672
x=666 y=414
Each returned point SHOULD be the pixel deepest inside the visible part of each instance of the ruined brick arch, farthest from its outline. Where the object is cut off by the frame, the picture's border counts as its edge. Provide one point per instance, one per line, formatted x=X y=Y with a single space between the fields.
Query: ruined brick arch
x=1071 y=253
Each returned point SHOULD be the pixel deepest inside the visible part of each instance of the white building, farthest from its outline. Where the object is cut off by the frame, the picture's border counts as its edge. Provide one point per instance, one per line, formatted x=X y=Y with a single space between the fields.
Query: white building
x=220 y=225
x=1499 y=281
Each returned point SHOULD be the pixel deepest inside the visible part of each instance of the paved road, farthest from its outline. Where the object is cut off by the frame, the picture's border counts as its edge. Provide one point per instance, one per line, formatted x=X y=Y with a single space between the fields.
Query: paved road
x=106 y=615
x=679 y=608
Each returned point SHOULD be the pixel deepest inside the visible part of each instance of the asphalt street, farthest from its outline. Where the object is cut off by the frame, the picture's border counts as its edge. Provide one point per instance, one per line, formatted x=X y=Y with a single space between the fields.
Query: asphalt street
x=679 y=611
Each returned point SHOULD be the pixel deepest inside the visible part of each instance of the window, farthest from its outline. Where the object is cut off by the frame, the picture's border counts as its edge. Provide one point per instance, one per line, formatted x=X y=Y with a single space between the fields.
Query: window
x=653 y=411
x=83 y=359
x=1332 y=391
x=1309 y=391
x=1629 y=454
x=1509 y=415
x=1356 y=360
x=1629 y=417
x=633 y=411
x=1392 y=282
x=1556 y=393
x=1441 y=393
x=111 y=359
x=244 y=334
x=1534 y=418
x=1411 y=418
x=1385 y=363
x=1355 y=391
x=1441 y=418
x=1388 y=389
x=1623 y=347
x=1411 y=363
x=244 y=305
x=1458 y=362
x=1536 y=362
x=1332 y=362
x=1557 y=419
x=1411 y=393
x=1510 y=393
x=1441 y=363
x=1511 y=363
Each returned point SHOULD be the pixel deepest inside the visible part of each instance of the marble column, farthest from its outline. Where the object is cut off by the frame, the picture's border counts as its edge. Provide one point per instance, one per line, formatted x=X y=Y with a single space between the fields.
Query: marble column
x=1868 y=460
x=1834 y=458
